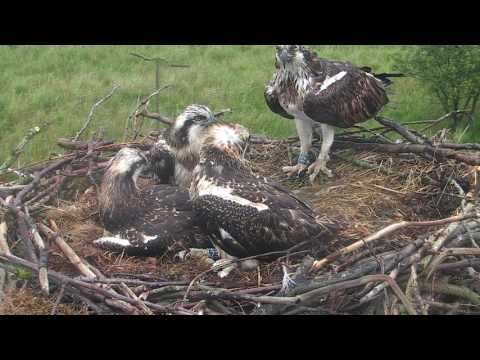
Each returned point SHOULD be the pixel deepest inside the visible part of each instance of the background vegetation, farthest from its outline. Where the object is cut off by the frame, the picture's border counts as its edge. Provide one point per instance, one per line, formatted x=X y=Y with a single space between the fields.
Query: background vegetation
x=59 y=84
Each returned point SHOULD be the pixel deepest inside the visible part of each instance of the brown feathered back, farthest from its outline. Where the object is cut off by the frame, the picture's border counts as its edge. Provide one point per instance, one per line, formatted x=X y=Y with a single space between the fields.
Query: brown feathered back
x=355 y=98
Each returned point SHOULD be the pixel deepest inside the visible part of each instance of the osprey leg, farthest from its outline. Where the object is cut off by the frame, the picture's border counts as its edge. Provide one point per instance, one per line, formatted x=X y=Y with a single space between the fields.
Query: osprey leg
x=328 y=135
x=305 y=133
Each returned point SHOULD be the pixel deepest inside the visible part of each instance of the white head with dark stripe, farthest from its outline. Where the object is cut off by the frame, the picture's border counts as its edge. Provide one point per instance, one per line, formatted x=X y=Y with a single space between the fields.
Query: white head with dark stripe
x=188 y=127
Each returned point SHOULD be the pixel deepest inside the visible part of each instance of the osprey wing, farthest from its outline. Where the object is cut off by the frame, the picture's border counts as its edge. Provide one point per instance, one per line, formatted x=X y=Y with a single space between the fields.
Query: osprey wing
x=247 y=217
x=166 y=224
x=271 y=98
x=161 y=162
x=342 y=95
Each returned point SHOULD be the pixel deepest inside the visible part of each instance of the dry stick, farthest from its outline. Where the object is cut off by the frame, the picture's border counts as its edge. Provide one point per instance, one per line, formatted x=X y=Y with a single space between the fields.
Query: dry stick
x=359 y=282
x=48 y=184
x=4 y=248
x=43 y=254
x=414 y=290
x=372 y=294
x=129 y=120
x=455 y=290
x=317 y=265
x=141 y=304
x=60 y=278
x=36 y=180
x=226 y=264
x=458 y=264
x=440 y=241
x=59 y=299
x=449 y=307
x=442 y=118
x=67 y=250
x=8 y=190
x=92 y=112
x=448 y=252
x=144 y=105
x=436 y=152
x=402 y=130
x=73 y=257
x=19 y=149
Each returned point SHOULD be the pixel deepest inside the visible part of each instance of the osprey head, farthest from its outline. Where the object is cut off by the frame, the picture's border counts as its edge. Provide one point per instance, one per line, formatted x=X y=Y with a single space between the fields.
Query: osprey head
x=231 y=139
x=128 y=161
x=190 y=125
x=288 y=55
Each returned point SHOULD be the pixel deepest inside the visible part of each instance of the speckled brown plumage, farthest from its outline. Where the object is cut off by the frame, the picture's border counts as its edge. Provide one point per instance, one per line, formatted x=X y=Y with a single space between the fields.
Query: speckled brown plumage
x=247 y=214
x=152 y=220
x=161 y=161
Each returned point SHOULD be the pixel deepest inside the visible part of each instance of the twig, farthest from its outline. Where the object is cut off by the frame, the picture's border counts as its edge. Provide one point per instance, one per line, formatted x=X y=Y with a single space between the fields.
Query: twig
x=66 y=249
x=432 y=267
x=4 y=248
x=43 y=254
x=312 y=295
x=459 y=264
x=59 y=299
x=454 y=290
x=38 y=177
x=442 y=118
x=92 y=112
x=60 y=278
x=142 y=110
x=437 y=153
x=317 y=265
x=19 y=149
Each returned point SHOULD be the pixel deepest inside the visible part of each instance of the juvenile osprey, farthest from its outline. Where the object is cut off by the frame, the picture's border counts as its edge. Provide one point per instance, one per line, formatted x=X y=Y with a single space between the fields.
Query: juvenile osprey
x=184 y=140
x=144 y=222
x=161 y=162
x=245 y=214
x=310 y=89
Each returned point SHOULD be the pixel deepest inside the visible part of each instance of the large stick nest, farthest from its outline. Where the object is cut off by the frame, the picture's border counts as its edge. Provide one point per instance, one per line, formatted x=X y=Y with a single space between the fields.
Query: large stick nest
x=369 y=192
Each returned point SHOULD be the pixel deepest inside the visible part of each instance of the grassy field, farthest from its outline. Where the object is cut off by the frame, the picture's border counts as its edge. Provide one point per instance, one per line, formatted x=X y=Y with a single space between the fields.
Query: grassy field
x=59 y=84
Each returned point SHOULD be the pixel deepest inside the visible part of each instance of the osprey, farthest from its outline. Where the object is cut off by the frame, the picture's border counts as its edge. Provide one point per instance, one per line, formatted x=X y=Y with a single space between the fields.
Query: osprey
x=161 y=163
x=245 y=214
x=184 y=140
x=144 y=222
x=311 y=90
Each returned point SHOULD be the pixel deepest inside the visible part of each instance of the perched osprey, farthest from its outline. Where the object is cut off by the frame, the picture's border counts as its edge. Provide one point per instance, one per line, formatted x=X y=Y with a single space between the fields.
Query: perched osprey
x=184 y=140
x=310 y=89
x=144 y=222
x=245 y=214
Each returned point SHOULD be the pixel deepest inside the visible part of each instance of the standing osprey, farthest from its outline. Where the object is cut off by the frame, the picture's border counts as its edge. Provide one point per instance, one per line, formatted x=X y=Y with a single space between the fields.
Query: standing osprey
x=144 y=222
x=184 y=140
x=310 y=89
x=245 y=214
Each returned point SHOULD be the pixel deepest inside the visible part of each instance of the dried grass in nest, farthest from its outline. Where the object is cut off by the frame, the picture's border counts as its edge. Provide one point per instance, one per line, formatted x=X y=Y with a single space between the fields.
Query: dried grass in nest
x=370 y=190
x=391 y=189
x=27 y=301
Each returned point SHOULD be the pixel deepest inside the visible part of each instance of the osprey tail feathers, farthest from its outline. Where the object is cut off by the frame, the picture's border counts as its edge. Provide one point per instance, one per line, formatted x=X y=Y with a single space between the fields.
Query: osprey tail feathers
x=385 y=78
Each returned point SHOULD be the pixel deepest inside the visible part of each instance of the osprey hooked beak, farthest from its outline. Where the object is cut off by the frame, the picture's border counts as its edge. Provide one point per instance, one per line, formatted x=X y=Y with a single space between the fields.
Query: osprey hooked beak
x=287 y=53
x=283 y=55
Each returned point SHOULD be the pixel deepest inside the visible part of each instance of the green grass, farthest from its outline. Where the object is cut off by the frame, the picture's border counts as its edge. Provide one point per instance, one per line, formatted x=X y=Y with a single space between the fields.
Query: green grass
x=59 y=84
